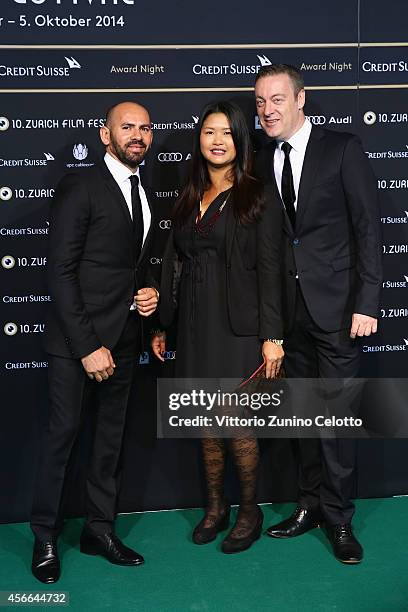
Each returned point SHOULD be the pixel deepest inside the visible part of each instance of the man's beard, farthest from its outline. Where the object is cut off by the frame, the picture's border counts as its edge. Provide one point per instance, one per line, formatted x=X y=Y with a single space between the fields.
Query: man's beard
x=127 y=157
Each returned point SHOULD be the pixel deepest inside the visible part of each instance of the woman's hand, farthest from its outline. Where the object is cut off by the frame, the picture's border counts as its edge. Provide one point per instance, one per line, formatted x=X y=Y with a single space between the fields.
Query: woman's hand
x=273 y=356
x=146 y=301
x=158 y=344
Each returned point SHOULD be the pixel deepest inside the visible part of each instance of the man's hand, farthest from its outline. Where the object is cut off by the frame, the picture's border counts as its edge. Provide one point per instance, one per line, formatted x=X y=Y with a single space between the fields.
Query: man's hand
x=273 y=355
x=99 y=365
x=362 y=325
x=146 y=301
x=158 y=344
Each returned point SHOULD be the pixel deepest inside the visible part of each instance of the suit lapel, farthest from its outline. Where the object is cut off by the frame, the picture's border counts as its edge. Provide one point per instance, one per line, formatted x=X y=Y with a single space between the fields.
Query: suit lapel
x=267 y=173
x=231 y=226
x=152 y=221
x=116 y=192
x=313 y=156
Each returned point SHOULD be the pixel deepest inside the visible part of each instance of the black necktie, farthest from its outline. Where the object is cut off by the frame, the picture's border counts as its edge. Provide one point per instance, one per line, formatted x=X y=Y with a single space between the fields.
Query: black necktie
x=288 y=190
x=137 y=215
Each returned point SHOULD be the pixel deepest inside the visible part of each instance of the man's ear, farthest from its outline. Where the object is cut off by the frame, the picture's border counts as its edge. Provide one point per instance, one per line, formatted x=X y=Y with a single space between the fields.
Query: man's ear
x=301 y=99
x=104 y=135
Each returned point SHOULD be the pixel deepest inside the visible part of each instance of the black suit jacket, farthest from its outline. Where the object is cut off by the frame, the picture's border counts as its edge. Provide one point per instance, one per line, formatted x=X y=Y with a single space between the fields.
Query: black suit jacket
x=335 y=248
x=253 y=271
x=93 y=272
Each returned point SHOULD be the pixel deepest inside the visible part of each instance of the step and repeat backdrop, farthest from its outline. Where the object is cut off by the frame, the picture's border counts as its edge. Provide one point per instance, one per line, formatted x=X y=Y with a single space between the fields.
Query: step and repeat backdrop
x=62 y=64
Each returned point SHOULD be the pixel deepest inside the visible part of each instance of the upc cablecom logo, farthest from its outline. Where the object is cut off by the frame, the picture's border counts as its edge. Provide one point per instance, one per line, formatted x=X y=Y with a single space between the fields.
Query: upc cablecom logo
x=64 y=69
x=80 y=151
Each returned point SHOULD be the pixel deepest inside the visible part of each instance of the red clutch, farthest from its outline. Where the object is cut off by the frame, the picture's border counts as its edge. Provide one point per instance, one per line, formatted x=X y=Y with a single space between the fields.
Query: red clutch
x=257 y=376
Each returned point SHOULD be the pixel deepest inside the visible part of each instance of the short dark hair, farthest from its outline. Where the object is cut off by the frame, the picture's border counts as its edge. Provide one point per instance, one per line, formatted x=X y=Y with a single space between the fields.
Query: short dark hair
x=293 y=73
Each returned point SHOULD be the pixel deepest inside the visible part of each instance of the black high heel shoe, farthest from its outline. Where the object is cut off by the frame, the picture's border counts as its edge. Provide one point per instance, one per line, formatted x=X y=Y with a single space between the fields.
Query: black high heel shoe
x=204 y=535
x=234 y=545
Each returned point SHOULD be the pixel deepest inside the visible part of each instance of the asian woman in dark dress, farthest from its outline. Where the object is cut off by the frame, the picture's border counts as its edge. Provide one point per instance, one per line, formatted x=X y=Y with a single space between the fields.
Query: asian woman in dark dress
x=225 y=246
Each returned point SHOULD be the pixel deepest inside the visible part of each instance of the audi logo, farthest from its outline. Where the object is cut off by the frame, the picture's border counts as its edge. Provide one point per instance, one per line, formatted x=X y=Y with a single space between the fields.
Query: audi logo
x=170 y=157
x=169 y=354
x=155 y=260
x=317 y=119
x=165 y=224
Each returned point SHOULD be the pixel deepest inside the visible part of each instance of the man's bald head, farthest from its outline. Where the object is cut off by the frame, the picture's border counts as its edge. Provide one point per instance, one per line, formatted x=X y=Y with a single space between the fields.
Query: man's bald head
x=122 y=107
x=127 y=133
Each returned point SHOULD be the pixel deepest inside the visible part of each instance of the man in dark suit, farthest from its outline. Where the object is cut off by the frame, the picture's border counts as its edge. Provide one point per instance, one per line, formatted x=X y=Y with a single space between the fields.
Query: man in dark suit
x=331 y=278
x=100 y=230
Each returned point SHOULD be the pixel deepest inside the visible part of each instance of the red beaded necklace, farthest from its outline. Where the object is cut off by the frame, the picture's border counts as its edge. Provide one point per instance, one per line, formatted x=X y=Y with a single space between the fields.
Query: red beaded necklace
x=203 y=229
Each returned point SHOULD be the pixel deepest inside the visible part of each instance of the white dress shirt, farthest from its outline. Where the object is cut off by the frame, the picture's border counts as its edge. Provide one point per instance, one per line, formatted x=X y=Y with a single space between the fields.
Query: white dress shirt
x=122 y=174
x=298 y=143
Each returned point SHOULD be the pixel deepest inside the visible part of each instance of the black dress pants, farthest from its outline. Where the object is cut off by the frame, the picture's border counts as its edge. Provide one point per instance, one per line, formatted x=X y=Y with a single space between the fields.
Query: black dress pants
x=68 y=385
x=326 y=466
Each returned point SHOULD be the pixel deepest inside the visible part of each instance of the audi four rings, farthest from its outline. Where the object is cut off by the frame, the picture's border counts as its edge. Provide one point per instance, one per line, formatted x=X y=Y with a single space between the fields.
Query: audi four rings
x=170 y=157
x=317 y=119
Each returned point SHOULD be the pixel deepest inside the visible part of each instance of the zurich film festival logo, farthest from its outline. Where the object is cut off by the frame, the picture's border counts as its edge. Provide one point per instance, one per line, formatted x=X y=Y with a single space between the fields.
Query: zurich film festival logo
x=6 y=193
x=10 y=328
x=40 y=70
x=395 y=249
x=231 y=69
x=8 y=262
x=395 y=312
x=370 y=117
x=4 y=124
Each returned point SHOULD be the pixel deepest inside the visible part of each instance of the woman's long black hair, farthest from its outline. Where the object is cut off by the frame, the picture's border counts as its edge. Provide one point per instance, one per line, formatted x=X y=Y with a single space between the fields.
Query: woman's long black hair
x=246 y=190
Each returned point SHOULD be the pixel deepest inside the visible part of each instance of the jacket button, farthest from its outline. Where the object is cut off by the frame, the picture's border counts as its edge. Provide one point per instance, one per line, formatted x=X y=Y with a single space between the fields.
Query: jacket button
x=296 y=241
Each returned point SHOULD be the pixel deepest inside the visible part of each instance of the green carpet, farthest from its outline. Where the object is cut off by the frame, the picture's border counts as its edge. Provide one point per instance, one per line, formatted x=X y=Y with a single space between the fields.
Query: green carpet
x=282 y=575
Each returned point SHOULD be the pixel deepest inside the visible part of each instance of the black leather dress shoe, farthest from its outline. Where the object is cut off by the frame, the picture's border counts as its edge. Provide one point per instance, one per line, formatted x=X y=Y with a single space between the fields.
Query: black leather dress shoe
x=235 y=545
x=345 y=545
x=302 y=520
x=204 y=535
x=109 y=546
x=46 y=564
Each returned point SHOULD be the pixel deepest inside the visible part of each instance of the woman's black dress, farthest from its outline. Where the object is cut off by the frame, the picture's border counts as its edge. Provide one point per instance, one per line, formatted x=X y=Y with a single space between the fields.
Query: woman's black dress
x=206 y=344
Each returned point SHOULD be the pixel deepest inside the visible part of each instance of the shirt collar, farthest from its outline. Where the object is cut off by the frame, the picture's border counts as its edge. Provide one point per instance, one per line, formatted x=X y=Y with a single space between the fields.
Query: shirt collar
x=300 y=138
x=118 y=170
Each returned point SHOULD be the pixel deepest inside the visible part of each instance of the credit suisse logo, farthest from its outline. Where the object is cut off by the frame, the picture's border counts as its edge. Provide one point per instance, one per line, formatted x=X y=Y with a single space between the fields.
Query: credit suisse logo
x=40 y=70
